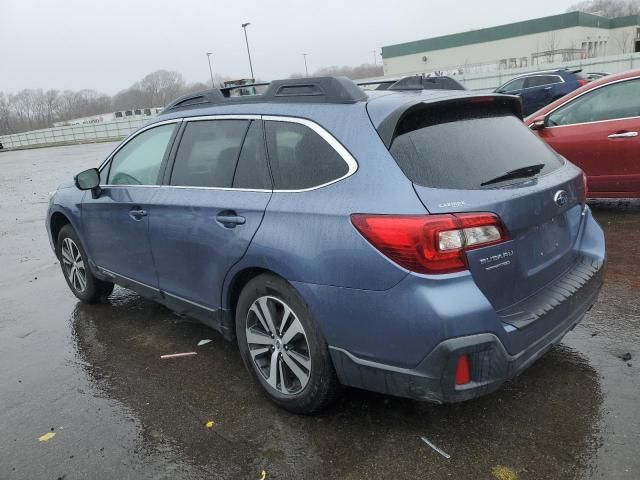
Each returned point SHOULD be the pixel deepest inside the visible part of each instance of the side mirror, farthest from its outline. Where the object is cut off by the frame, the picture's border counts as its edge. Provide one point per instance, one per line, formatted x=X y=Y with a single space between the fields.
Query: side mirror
x=538 y=123
x=89 y=180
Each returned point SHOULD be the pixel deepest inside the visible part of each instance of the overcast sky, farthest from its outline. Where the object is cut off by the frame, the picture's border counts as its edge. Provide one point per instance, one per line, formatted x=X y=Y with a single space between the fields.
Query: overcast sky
x=107 y=45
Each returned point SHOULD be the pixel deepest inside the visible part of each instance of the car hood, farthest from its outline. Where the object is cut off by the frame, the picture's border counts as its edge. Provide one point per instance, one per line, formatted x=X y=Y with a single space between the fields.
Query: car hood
x=67 y=184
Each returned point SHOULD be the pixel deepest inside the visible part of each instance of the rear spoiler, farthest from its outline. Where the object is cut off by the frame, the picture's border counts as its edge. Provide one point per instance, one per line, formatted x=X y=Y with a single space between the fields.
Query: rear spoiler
x=389 y=126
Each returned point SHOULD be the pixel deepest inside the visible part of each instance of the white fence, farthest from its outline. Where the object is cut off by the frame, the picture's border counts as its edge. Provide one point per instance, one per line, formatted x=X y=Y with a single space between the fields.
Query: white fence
x=94 y=132
x=489 y=80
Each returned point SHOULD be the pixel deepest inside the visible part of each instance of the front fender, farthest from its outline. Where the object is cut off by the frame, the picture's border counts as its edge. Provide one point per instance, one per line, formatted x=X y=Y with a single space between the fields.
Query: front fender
x=67 y=202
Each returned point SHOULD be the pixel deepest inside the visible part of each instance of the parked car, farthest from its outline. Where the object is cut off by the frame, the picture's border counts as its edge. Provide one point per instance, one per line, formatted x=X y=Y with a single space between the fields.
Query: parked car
x=538 y=89
x=597 y=127
x=413 y=82
x=419 y=82
x=332 y=234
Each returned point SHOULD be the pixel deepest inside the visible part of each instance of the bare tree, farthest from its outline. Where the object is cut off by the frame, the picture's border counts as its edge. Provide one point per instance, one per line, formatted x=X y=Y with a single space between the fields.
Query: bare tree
x=160 y=87
x=551 y=44
x=52 y=105
x=5 y=115
x=624 y=40
x=365 y=70
x=607 y=8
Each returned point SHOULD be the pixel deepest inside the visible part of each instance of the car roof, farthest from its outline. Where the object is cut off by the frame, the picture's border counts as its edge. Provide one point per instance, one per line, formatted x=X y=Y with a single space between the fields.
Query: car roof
x=585 y=88
x=556 y=71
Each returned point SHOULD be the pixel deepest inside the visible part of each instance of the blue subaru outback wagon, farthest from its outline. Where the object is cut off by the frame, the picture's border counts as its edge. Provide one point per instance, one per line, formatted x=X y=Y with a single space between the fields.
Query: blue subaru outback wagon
x=423 y=244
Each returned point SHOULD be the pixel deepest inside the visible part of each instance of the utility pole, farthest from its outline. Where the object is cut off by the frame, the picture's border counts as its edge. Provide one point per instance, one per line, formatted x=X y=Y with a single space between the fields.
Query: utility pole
x=210 y=71
x=244 y=27
x=375 y=57
x=306 y=69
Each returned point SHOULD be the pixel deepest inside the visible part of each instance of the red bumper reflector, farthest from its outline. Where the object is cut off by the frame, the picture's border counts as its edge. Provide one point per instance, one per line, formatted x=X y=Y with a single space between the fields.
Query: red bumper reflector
x=463 y=376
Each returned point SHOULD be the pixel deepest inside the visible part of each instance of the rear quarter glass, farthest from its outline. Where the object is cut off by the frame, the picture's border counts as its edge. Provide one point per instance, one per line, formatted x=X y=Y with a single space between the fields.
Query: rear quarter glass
x=462 y=146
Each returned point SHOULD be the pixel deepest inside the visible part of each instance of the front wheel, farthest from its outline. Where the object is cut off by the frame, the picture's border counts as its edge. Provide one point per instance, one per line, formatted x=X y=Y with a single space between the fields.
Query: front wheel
x=282 y=346
x=75 y=267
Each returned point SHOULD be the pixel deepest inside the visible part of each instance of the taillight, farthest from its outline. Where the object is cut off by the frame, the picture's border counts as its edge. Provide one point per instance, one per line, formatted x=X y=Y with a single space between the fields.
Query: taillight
x=582 y=82
x=585 y=189
x=430 y=243
x=463 y=372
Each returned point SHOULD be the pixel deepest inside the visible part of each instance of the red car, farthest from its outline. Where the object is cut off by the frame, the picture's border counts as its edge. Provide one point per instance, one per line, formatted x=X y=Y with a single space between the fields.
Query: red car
x=597 y=127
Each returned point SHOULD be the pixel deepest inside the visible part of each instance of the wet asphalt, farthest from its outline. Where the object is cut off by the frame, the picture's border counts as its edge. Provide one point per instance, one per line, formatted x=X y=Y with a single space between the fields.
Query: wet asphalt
x=93 y=376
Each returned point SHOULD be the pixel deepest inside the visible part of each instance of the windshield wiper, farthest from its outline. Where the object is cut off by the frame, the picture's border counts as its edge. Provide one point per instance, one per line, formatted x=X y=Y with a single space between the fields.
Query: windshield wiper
x=522 y=172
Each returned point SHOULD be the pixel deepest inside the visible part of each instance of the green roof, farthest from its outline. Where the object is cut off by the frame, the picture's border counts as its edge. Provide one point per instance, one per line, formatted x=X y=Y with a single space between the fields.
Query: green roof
x=501 y=32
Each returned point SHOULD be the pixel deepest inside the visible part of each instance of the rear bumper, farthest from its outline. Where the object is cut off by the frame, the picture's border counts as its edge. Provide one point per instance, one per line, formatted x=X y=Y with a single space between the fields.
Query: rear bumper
x=491 y=364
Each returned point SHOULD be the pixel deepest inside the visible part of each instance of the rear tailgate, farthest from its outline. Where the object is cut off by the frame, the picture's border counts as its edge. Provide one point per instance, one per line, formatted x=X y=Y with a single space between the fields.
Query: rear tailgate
x=456 y=152
x=543 y=234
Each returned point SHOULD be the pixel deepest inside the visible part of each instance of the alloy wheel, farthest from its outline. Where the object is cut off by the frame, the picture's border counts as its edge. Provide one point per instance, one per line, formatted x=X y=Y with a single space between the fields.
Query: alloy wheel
x=278 y=345
x=73 y=265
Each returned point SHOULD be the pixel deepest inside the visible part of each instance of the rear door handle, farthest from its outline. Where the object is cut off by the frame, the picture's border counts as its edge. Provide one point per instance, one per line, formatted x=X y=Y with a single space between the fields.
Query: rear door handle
x=548 y=88
x=623 y=135
x=230 y=220
x=137 y=213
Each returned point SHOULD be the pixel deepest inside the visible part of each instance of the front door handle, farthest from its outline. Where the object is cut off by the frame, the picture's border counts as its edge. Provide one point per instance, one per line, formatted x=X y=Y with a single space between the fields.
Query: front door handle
x=230 y=219
x=137 y=213
x=623 y=135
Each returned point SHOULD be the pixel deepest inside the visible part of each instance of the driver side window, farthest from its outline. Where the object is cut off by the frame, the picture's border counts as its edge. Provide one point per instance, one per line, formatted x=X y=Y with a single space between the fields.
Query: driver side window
x=138 y=162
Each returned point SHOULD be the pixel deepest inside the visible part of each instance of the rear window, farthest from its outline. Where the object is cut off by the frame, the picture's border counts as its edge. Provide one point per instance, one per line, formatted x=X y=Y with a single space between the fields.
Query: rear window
x=463 y=146
x=300 y=158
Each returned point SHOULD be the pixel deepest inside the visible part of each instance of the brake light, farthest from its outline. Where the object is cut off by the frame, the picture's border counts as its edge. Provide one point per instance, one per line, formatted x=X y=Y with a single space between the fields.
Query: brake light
x=430 y=243
x=585 y=189
x=582 y=82
x=463 y=374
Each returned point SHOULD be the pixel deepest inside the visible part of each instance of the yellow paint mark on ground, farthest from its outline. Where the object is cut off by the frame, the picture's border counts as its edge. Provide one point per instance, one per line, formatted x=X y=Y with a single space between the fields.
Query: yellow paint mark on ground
x=46 y=437
x=264 y=475
x=210 y=424
x=503 y=473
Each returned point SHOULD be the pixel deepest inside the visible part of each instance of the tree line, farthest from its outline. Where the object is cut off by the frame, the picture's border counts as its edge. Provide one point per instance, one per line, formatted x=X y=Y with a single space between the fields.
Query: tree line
x=607 y=8
x=32 y=109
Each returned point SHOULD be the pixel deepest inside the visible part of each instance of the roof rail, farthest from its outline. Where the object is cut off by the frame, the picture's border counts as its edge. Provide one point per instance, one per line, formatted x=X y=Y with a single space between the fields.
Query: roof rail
x=380 y=84
x=339 y=90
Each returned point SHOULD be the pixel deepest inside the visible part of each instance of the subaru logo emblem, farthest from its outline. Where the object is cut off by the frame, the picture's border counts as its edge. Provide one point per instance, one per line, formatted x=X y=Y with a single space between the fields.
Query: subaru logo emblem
x=561 y=198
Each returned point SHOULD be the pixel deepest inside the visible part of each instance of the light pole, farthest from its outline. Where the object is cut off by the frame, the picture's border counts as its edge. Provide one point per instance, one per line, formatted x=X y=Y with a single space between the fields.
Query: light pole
x=306 y=70
x=210 y=71
x=375 y=57
x=244 y=27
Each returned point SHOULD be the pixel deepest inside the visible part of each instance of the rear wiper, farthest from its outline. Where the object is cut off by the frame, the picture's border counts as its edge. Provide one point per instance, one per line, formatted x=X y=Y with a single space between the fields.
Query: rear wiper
x=522 y=172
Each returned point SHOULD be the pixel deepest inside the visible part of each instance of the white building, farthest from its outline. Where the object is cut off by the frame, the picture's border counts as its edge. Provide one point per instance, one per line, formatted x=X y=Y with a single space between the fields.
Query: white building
x=559 y=38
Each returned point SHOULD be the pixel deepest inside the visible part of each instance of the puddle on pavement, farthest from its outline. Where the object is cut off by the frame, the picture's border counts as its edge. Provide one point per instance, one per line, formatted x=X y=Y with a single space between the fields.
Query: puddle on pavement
x=525 y=425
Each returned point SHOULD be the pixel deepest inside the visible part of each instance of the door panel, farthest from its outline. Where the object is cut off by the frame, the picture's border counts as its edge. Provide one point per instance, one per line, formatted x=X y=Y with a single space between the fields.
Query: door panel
x=600 y=132
x=116 y=228
x=194 y=246
x=611 y=164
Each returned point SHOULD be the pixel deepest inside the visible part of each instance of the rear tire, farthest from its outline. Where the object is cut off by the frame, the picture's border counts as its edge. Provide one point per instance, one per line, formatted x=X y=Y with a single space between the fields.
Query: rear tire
x=286 y=353
x=75 y=268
